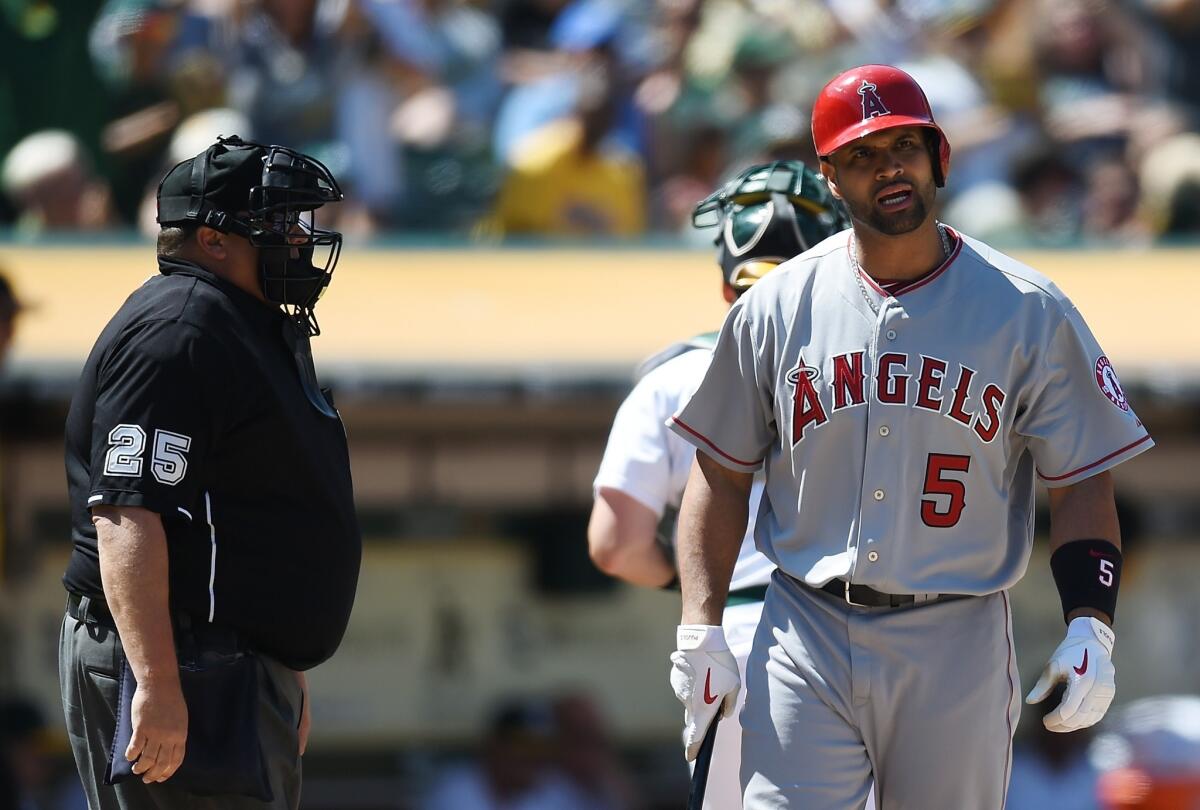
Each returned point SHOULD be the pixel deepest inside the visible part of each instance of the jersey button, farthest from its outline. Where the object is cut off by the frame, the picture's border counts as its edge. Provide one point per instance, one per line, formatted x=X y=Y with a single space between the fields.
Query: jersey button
x=879 y=494
x=884 y=430
x=873 y=556
x=891 y=334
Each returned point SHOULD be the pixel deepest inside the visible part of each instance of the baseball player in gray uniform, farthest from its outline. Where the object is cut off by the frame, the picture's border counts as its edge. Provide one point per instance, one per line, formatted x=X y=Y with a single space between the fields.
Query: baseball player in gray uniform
x=765 y=215
x=903 y=388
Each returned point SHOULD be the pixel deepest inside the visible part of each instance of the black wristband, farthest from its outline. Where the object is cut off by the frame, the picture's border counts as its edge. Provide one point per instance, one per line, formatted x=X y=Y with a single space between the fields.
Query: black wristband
x=1088 y=574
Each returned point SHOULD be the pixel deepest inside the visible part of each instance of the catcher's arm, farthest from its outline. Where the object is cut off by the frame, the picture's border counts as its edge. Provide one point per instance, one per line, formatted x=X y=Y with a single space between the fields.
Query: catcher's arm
x=623 y=540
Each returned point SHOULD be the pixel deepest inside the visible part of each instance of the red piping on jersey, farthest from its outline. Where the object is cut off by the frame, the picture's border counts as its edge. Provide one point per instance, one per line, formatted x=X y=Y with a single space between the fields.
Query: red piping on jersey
x=707 y=441
x=1012 y=696
x=1094 y=463
x=916 y=283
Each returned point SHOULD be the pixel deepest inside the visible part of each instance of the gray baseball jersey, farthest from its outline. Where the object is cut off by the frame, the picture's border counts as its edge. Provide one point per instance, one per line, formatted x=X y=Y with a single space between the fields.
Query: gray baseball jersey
x=902 y=433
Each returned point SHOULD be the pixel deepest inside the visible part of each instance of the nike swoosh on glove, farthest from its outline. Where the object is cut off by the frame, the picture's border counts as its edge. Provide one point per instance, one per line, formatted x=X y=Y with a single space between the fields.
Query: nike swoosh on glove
x=705 y=678
x=1084 y=662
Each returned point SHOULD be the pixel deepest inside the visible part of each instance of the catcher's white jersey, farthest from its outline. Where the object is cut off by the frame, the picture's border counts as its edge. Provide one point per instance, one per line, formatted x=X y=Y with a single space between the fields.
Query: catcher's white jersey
x=901 y=433
x=646 y=461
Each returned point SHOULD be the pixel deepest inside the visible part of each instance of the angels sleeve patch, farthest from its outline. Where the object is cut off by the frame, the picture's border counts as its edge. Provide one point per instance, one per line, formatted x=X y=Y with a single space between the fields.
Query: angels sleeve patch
x=1110 y=386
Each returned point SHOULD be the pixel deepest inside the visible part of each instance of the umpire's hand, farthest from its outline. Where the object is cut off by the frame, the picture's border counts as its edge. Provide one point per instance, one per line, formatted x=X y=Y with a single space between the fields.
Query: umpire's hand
x=160 y=725
x=705 y=678
x=1084 y=662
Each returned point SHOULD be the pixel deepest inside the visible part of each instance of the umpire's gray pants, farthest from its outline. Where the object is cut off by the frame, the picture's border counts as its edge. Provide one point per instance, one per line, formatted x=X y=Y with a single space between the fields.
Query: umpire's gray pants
x=89 y=659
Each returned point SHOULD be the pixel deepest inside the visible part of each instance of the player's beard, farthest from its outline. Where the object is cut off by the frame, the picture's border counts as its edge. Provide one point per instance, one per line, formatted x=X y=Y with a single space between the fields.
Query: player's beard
x=870 y=214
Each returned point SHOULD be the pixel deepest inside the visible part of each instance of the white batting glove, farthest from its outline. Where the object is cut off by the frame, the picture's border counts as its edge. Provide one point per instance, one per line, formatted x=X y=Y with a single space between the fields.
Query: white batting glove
x=705 y=678
x=1084 y=662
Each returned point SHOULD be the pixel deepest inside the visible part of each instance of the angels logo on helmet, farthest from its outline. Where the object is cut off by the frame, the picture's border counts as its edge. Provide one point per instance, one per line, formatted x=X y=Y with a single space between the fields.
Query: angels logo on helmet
x=872 y=104
x=851 y=106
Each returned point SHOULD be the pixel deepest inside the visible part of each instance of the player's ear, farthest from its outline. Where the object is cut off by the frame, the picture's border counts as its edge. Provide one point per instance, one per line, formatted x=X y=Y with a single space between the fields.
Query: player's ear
x=830 y=173
x=211 y=242
x=728 y=292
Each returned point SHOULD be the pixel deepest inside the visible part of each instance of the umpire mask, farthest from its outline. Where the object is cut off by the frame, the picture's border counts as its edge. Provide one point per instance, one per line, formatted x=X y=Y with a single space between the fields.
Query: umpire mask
x=269 y=195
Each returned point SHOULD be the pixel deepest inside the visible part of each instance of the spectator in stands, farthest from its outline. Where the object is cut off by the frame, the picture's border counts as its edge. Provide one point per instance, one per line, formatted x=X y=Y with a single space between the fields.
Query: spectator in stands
x=311 y=73
x=590 y=39
x=444 y=56
x=151 y=50
x=1177 y=24
x=1110 y=202
x=287 y=65
x=1170 y=181
x=672 y=26
x=450 y=45
x=513 y=771
x=1049 y=189
x=990 y=212
x=891 y=32
x=701 y=159
x=48 y=80
x=986 y=137
x=757 y=58
x=525 y=24
x=159 y=60
x=49 y=178
x=1095 y=71
x=588 y=762
x=567 y=179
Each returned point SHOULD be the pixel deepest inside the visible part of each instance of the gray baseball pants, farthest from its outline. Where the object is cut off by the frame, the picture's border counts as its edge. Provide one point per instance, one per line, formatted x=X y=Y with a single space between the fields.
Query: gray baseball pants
x=924 y=699
x=89 y=659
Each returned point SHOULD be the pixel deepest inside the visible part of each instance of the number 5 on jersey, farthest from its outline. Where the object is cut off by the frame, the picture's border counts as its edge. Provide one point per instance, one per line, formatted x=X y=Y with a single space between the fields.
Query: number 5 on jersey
x=936 y=483
x=168 y=462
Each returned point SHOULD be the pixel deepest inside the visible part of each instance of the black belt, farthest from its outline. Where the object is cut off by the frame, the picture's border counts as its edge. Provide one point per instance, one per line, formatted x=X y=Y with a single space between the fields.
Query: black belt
x=94 y=610
x=89 y=609
x=866 y=596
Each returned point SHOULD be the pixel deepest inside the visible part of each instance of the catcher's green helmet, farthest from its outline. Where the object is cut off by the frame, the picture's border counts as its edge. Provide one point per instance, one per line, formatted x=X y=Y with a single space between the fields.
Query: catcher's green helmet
x=768 y=214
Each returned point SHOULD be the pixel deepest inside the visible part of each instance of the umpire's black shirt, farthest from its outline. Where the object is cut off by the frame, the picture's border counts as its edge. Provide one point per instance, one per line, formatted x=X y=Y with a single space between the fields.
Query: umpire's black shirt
x=198 y=402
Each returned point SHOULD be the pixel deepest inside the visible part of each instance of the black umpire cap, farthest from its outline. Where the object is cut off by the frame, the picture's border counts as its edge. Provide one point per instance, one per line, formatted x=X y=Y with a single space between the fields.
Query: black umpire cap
x=212 y=187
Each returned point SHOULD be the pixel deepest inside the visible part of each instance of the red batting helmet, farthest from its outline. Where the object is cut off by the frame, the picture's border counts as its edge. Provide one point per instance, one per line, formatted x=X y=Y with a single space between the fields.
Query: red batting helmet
x=871 y=98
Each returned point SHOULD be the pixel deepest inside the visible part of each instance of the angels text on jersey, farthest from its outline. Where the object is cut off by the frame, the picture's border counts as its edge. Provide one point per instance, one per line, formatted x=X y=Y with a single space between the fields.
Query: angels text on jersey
x=925 y=382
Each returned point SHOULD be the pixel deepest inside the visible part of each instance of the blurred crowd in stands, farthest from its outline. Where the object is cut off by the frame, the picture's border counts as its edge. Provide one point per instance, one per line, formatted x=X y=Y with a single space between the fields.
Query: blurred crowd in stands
x=1071 y=120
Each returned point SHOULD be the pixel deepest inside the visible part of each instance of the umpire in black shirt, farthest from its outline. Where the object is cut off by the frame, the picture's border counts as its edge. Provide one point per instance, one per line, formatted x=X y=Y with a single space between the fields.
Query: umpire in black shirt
x=212 y=507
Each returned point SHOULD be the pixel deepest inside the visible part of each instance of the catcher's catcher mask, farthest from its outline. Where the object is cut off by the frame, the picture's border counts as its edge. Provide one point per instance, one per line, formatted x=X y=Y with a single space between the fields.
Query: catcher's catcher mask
x=766 y=215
